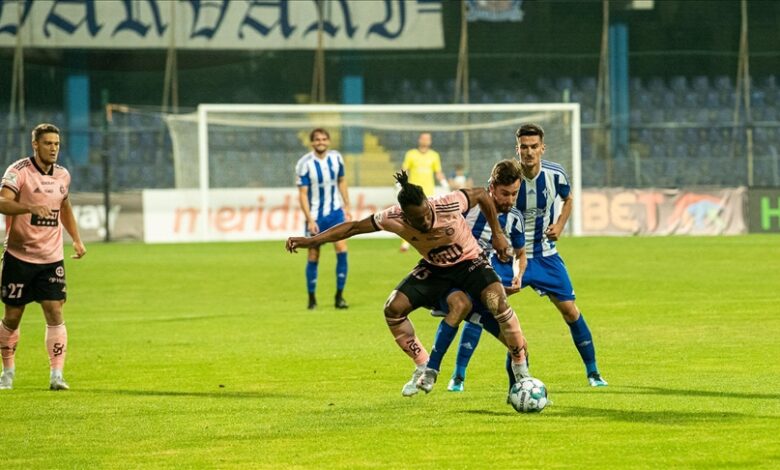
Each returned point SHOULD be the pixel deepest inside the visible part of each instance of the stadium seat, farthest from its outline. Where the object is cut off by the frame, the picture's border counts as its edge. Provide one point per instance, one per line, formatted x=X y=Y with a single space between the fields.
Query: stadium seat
x=701 y=84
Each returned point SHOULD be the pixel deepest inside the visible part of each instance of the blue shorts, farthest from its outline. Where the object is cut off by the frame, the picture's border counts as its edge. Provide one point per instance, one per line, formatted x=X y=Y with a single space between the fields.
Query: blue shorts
x=547 y=275
x=506 y=271
x=325 y=222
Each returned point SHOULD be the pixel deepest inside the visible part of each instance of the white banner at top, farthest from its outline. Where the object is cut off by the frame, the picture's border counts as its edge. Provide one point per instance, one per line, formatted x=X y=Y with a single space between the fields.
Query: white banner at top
x=221 y=24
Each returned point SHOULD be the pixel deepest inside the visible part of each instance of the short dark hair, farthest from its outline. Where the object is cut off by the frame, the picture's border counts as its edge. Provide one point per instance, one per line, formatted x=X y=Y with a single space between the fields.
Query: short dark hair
x=505 y=172
x=44 y=128
x=410 y=194
x=530 y=129
x=318 y=130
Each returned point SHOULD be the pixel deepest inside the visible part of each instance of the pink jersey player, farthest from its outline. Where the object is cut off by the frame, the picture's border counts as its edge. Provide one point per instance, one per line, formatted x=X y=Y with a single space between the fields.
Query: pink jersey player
x=28 y=237
x=34 y=198
x=437 y=229
x=449 y=240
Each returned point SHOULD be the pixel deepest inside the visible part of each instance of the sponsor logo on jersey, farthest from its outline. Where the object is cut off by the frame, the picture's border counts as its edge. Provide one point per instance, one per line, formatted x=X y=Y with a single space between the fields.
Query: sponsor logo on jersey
x=446 y=254
x=52 y=221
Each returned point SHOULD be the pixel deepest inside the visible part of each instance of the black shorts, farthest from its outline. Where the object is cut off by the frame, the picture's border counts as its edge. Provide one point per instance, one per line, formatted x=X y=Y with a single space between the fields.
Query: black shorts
x=427 y=283
x=24 y=282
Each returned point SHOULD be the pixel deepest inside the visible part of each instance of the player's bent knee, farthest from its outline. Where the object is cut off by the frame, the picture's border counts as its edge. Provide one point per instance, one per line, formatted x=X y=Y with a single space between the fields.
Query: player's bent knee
x=494 y=298
x=397 y=305
x=459 y=304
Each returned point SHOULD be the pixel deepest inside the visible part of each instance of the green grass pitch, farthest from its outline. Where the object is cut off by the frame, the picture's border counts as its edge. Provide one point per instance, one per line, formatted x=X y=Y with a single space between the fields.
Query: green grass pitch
x=204 y=356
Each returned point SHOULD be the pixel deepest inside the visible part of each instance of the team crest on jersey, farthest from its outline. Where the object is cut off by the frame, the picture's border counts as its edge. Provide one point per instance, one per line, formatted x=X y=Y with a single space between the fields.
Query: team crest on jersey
x=449 y=231
x=60 y=271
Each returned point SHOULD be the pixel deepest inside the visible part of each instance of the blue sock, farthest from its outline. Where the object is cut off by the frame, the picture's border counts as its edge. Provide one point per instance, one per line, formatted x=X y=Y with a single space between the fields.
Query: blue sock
x=444 y=336
x=341 y=270
x=580 y=333
x=311 y=276
x=468 y=343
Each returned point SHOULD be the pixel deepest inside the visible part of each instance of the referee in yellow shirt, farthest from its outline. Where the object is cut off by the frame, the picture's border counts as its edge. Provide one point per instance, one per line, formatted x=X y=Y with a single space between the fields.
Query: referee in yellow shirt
x=422 y=164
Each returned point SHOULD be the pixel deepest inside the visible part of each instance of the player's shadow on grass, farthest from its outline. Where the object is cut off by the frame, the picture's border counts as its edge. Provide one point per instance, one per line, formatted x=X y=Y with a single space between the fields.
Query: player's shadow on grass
x=628 y=416
x=643 y=390
x=191 y=394
x=665 y=416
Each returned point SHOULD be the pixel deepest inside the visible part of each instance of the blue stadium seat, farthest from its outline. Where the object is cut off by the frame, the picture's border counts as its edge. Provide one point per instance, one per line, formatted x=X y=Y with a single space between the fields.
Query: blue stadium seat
x=678 y=84
x=562 y=83
x=587 y=85
x=723 y=83
x=701 y=84
x=643 y=99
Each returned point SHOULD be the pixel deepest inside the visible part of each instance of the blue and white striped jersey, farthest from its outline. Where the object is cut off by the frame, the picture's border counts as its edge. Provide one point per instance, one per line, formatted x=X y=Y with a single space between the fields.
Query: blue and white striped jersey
x=511 y=222
x=321 y=176
x=536 y=201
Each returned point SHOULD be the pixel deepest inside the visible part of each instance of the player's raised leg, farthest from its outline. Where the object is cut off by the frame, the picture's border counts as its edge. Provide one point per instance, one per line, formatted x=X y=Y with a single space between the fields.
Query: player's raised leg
x=494 y=298
x=397 y=309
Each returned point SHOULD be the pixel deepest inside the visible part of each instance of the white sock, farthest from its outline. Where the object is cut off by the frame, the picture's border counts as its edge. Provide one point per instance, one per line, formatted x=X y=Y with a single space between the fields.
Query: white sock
x=520 y=370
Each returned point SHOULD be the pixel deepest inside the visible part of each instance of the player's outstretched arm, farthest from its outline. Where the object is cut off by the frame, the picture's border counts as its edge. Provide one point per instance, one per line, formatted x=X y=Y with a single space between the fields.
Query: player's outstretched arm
x=339 y=232
x=500 y=243
x=9 y=206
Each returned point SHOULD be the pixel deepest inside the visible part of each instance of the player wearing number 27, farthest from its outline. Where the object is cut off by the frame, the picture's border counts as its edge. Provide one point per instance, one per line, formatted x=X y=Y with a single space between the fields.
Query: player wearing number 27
x=34 y=197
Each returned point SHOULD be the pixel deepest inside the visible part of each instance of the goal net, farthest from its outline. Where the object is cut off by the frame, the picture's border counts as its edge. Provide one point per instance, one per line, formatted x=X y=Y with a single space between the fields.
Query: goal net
x=257 y=146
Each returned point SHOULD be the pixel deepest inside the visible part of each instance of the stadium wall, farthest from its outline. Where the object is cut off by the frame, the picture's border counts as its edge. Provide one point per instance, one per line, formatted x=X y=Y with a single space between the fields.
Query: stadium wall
x=170 y=216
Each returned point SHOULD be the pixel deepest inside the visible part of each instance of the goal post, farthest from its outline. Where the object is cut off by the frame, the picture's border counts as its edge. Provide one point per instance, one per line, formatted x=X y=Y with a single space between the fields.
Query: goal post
x=246 y=145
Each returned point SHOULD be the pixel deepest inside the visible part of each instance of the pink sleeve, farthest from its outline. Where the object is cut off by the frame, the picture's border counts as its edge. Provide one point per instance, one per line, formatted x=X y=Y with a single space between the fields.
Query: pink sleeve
x=381 y=217
x=13 y=179
x=384 y=221
x=462 y=199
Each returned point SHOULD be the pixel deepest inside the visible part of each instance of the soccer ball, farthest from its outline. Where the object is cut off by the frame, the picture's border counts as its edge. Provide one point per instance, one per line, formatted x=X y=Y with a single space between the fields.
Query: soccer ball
x=529 y=395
